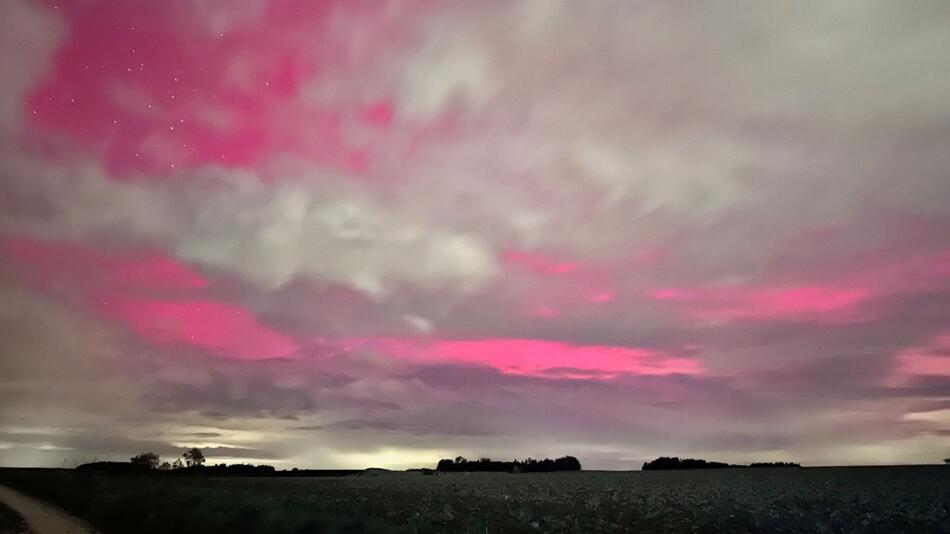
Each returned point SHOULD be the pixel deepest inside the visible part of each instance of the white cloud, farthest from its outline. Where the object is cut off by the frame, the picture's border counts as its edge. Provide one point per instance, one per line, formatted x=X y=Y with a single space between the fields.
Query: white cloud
x=311 y=226
x=589 y=131
x=448 y=67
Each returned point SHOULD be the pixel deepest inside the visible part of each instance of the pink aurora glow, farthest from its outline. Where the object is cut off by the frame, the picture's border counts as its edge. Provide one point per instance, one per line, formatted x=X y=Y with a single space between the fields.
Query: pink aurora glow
x=313 y=202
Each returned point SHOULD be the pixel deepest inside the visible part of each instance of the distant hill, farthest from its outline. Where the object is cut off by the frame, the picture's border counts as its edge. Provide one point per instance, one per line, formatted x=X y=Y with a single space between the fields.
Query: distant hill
x=665 y=463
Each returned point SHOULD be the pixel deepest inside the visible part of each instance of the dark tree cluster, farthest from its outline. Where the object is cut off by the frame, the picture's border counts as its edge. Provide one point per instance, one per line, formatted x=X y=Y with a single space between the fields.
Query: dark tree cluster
x=193 y=457
x=666 y=463
x=775 y=464
x=193 y=465
x=673 y=463
x=460 y=464
x=148 y=462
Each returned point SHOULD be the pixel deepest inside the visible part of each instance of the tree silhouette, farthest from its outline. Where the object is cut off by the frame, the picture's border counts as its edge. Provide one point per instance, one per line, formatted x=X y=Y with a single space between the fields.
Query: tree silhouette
x=946 y=460
x=146 y=459
x=671 y=463
x=460 y=464
x=194 y=457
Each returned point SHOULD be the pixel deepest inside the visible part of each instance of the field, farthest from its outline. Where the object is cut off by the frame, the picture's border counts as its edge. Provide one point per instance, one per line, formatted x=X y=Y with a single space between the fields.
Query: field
x=819 y=500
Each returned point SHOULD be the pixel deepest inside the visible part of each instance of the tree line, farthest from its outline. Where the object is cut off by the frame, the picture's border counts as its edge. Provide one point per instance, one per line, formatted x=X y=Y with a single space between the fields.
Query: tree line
x=530 y=465
x=149 y=460
x=673 y=463
x=192 y=463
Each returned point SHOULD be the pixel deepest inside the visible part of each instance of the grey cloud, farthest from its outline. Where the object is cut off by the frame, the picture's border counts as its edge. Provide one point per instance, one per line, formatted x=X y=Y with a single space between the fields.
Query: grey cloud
x=763 y=145
x=653 y=150
x=33 y=32
x=206 y=434
x=929 y=406
x=234 y=222
x=414 y=425
x=115 y=446
x=224 y=397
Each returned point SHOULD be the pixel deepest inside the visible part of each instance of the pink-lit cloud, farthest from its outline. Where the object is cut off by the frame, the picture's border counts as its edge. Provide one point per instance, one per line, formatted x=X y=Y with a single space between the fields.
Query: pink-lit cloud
x=536 y=357
x=504 y=222
x=928 y=360
x=128 y=78
x=538 y=263
x=48 y=263
x=790 y=304
x=225 y=330
x=124 y=289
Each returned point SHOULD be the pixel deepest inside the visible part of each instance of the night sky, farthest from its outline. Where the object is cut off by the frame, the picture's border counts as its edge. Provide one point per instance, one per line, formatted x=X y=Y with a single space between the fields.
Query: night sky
x=354 y=233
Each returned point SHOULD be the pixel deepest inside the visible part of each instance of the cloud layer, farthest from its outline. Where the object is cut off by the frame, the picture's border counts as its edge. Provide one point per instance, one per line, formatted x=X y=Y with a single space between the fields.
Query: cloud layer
x=327 y=235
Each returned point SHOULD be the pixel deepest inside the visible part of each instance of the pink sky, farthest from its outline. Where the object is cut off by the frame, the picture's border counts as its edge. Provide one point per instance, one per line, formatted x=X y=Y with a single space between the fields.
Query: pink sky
x=326 y=203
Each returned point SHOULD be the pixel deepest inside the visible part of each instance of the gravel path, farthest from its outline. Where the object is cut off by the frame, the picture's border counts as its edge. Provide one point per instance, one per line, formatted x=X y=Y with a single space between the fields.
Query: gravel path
x=43 y=518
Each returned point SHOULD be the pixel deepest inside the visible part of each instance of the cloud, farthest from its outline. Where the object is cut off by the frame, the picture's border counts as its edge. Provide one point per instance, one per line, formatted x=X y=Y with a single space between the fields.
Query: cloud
x=34 y=32
x=536 y=357
x=309 y=227
x=318 y=232
x=932 y=359
x=223 y=396
x=464 y=194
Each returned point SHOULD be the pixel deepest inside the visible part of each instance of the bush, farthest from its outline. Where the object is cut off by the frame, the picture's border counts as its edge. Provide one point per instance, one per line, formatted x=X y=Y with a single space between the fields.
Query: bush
x=146 y=459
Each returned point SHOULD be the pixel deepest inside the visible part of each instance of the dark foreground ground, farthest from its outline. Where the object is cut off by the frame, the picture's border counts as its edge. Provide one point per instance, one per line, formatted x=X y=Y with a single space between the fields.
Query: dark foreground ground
x=10 y=521
x=880 y=500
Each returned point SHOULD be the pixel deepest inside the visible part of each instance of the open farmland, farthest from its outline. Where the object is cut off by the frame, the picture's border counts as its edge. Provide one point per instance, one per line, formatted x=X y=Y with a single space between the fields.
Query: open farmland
x=859 y=499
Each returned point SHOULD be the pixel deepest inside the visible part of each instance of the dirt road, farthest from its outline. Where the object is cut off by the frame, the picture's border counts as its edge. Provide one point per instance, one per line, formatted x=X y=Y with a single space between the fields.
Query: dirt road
x=43 y=518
